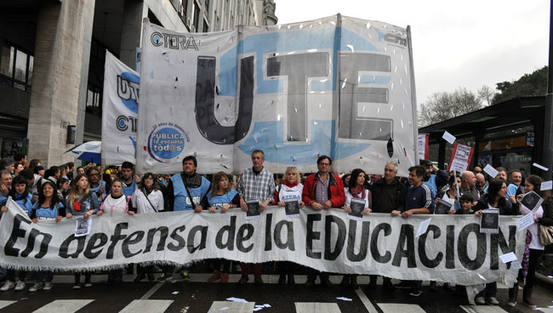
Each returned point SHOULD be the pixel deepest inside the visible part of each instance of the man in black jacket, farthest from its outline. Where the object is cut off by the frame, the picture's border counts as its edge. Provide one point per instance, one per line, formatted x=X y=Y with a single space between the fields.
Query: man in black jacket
x=388 y=194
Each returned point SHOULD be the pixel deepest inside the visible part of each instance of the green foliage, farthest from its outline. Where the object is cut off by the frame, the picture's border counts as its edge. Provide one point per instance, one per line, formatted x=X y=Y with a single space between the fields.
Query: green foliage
x=442 y=106
x=534 y=84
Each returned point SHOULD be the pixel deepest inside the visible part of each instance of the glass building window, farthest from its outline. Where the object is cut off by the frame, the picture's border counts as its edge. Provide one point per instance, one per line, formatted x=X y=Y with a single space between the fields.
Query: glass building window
x=16 y=66
x=7 y=58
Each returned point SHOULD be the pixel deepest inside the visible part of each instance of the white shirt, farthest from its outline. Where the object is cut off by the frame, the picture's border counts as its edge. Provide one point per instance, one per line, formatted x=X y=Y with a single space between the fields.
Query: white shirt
x=140 y=202
x=349 y=197
x=115 y=207
x=290 y=193
x=534 y=228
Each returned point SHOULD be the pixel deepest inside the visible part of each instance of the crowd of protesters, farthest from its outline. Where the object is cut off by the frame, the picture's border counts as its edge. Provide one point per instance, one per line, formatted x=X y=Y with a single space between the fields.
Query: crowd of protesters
x=65 y=192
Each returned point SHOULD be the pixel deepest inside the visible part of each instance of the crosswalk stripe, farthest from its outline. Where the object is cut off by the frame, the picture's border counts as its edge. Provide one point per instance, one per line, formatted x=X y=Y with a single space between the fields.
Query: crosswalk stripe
x=5 y=303
x=317 y=307
x=482 y=309
x=365 y=300
x=64 y=306
x=400 y=308
x=231 y=307
x=147 y=306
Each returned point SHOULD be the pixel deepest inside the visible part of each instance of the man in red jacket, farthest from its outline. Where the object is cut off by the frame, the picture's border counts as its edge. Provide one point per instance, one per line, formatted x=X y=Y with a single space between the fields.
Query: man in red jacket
x=323 y=190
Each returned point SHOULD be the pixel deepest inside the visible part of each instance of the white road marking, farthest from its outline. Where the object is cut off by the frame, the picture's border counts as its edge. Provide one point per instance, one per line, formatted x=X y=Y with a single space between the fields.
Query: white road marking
x=231 y=307
x=152 y=290
x=400 y=308
x=64 y=306
x=317 y=307
x=147 y=306
x=482 y=309
x=365 y=300
x=5 y=303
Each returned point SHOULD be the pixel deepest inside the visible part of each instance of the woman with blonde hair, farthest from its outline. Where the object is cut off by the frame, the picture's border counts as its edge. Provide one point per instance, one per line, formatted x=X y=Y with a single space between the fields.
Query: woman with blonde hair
x=221 y=198
x=290 y=189
x=81 y=202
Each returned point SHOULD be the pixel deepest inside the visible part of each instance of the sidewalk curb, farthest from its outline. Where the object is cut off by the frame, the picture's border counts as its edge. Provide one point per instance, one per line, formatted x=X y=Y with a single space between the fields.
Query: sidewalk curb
x=544 y=279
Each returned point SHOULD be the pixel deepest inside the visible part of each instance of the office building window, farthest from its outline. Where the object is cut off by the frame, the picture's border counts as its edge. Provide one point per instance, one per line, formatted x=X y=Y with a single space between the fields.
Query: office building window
x=16 y=66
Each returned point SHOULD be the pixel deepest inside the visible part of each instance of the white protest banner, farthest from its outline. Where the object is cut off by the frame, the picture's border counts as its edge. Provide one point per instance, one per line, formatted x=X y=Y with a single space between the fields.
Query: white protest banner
x=451 y=249
x=422 y=146
x=336 y=86
x=119 y=112
x=460 y=158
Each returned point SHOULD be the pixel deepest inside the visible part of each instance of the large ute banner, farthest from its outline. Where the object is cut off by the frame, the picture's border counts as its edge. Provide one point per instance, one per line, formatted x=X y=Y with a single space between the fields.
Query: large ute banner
x=452 y=248
x=336 y=86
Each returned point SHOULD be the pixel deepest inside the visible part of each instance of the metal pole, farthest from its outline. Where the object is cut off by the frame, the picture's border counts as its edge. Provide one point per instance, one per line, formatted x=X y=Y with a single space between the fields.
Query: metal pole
x=547 y=155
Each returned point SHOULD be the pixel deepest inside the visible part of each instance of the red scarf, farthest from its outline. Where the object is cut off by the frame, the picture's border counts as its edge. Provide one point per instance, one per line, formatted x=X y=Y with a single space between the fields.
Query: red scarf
x=358 y=194
x=289 y=184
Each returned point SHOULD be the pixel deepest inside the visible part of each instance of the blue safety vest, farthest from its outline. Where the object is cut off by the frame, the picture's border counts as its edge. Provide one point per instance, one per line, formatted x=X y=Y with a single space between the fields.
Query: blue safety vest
x=182 y=200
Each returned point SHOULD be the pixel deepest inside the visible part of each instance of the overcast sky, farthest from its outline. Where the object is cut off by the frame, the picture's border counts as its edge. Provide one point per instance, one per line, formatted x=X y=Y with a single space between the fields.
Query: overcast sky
x=466 y=43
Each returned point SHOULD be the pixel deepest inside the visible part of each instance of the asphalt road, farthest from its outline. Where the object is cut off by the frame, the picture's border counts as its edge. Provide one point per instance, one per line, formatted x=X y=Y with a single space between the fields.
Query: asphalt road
x=197 y=296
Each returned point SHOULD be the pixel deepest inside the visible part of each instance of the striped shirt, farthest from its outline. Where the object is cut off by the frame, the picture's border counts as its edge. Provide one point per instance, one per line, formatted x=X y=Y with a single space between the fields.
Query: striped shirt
x=419 y=197
x=254 y=186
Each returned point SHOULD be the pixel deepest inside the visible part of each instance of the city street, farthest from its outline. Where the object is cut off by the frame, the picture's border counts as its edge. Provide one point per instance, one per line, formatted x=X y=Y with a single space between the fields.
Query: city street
x=196 y=296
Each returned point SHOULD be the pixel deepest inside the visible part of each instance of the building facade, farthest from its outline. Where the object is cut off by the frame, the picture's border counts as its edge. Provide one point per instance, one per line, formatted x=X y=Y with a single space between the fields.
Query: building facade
x=52 y=55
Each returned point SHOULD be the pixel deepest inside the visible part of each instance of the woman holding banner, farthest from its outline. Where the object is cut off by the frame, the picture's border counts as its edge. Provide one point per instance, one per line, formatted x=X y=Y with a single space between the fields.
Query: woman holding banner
x=116 y=203
x=533 y=249
x=358 y=203
x=221 y=198
x=48 y=209
x=495 y=198
x=289 y=190
x=147 y=199
x=82 y=203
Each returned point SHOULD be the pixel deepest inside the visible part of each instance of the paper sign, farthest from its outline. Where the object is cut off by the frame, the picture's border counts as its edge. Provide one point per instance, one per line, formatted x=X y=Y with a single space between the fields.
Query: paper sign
x=491 y=171
x=531 y=201
x=541 y=167
x=448 y=137
x=525 y=221
x=357 y=206
x=443 y=206
x=292 y=208
x=423 y=227
x=422 y=147
x=489 y=221
x=82 y=226
x=460 y=158
x=253 y=209
x=343 y=298
x=508 y=257
x=546 y=185
x=516 y=265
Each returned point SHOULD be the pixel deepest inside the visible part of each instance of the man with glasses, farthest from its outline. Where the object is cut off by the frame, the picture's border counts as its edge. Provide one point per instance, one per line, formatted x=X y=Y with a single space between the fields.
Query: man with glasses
x=323 y=190
x=388 y=194
x=256 y=184
x=97 y=184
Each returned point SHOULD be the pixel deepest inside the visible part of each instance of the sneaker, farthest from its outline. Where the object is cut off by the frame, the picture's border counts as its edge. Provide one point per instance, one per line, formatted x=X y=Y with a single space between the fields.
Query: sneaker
x=7 y=285
x=224 y=278
x=480 y=300
x=243 y=280
x=185 y=275
x=258 y=281
x=19 y=285
x=48 y=286
x=76 y=286
x=35 y=287
x=529 y=304
x=215 y=277
x=493 y=301
x=415 y=293
x=512 y=304
x=87 y=285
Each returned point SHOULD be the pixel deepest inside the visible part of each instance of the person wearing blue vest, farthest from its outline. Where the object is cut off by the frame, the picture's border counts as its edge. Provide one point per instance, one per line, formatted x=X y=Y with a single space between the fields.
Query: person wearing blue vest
x=128 y=178
x=20 y=194
x=48 y=208
x=429 y=178
x=221 y=198
x=187 y=191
